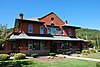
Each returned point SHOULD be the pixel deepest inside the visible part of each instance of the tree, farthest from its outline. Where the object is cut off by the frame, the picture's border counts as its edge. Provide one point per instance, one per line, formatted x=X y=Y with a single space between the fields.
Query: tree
x=3 y=34
x=93 y=36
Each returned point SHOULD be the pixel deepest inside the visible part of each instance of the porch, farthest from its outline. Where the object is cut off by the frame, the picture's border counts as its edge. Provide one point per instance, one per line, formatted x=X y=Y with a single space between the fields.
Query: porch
x=42 y=46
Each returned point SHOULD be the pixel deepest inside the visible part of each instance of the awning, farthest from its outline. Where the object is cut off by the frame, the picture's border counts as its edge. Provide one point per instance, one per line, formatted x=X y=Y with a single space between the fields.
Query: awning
x=24 y=36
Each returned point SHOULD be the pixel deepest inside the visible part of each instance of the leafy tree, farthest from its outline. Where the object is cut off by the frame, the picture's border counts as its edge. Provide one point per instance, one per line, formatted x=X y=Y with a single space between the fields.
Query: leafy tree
x=89 y=34
x=4 y=32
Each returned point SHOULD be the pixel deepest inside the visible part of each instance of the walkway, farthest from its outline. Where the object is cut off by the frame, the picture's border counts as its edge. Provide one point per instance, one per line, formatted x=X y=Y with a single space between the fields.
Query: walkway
x=97 y=60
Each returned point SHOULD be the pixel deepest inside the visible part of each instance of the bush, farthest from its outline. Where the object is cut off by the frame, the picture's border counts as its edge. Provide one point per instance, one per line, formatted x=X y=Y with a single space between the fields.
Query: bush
x=4 y=57
x=92 y=51
x=68 y=53
x=50 y=57
x=98 y=64
x=85 y=52
x=78 y=52
x=52 y=54
x=15 y=63
x=98 y=50
x=20 y=56
x=34 y=55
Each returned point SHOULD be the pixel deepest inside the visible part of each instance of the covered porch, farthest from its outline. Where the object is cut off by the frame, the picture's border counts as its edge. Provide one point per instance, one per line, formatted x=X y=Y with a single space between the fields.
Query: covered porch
x=43 y=44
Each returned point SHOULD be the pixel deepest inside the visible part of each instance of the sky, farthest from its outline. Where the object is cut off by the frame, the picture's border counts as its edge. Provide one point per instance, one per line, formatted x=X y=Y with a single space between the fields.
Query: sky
x=83 y=13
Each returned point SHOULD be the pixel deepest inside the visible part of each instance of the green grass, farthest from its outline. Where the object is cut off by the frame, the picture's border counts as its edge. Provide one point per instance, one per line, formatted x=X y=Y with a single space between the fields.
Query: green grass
x=65 y=63
x=94 y=57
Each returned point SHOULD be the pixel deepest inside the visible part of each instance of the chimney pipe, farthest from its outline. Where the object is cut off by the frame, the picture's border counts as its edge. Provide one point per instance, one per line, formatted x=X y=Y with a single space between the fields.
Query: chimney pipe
x=21 y=16
x=66 y=22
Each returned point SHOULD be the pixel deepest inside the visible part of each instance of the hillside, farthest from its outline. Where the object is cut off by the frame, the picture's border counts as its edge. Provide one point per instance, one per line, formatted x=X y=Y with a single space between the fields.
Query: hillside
x=89 y=34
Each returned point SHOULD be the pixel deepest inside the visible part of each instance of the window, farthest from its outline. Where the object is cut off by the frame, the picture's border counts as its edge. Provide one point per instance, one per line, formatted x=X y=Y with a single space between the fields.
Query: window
x=69 y=32
x=52 y=30
x=30 y=45
x=42 y=45
x=62 y=31
x=49 y=30
x=30 y=28
x=64 y=46
x=36 y=46
x=41 y=30
x=14 y=46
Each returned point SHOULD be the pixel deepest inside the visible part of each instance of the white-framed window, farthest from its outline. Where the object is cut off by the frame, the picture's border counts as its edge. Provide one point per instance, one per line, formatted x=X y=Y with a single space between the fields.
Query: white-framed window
x=49 y=30
x=41 y=29
x=52 y=30
x=14 y=46
x=42 y=45
x=36 y=46
x=30 y=45
x=69 y=32
x=62 y=31
x=64 y=46
x=30 y=28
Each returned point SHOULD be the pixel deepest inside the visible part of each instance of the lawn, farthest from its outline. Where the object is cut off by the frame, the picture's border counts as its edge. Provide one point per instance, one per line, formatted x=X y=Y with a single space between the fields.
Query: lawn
x=64 y=63
x=93 y=55
x=67 y=63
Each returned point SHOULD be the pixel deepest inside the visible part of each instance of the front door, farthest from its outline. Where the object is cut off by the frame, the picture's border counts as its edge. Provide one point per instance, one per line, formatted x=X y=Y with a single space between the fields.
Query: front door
x=53 y=47
x=30 y=45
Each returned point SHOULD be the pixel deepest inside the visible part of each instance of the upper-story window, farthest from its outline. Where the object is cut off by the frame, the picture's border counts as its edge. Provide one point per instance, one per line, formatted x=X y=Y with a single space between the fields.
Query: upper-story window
x=69 y=32
x=62 y=31
x=30 y=28
x=41 y=30
x=52 y=30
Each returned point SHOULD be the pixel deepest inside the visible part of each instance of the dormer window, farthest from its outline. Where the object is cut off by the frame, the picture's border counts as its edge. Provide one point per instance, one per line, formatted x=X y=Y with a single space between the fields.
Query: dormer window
x=30 y=28
x=52 y=30
x=41 y=30
x=62 y=31
x=69 y=32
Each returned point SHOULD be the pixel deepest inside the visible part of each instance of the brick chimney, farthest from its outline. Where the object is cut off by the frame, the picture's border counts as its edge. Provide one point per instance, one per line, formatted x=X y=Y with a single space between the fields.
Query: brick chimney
x=66 y=22
x=21 y=16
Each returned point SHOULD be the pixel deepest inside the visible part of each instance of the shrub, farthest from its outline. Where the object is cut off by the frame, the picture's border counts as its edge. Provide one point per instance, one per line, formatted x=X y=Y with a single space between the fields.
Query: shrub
x=92 y=51
x=20 y=56
x=16 y=63
x=78 y=52
x=98 y=64
x=34 y=55
x=52 y=54
x=98 y=50
x=4 y=57
x=68 y=53
x=51 y=57
x=85 y=51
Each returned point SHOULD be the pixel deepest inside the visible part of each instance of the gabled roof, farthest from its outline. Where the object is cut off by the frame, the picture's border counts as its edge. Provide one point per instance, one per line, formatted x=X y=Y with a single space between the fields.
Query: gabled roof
x=48 y=15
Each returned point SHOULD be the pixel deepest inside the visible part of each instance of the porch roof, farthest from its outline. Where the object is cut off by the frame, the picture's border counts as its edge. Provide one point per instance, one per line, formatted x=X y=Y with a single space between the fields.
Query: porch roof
x=25 y=36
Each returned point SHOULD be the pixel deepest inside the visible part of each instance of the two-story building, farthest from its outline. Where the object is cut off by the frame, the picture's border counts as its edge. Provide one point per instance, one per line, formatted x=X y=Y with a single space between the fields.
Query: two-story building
x=43 y=35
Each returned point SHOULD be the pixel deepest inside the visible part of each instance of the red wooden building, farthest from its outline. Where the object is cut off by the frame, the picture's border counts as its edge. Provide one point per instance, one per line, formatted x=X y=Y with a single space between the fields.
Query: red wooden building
x=43 y=35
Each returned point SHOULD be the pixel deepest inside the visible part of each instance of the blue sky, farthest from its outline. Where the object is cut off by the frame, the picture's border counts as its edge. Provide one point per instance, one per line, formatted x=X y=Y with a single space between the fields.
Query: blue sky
x=84 y=13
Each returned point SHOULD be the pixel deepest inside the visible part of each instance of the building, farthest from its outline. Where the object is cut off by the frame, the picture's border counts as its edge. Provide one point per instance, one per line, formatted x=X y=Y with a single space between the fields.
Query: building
x=43 y=35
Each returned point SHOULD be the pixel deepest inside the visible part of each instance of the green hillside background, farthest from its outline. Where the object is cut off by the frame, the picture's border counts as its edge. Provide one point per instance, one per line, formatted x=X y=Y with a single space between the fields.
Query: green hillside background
x=93 y=36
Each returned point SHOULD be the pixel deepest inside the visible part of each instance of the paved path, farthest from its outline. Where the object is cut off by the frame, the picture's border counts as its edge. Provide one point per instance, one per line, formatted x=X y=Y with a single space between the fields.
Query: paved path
x=97 y=60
